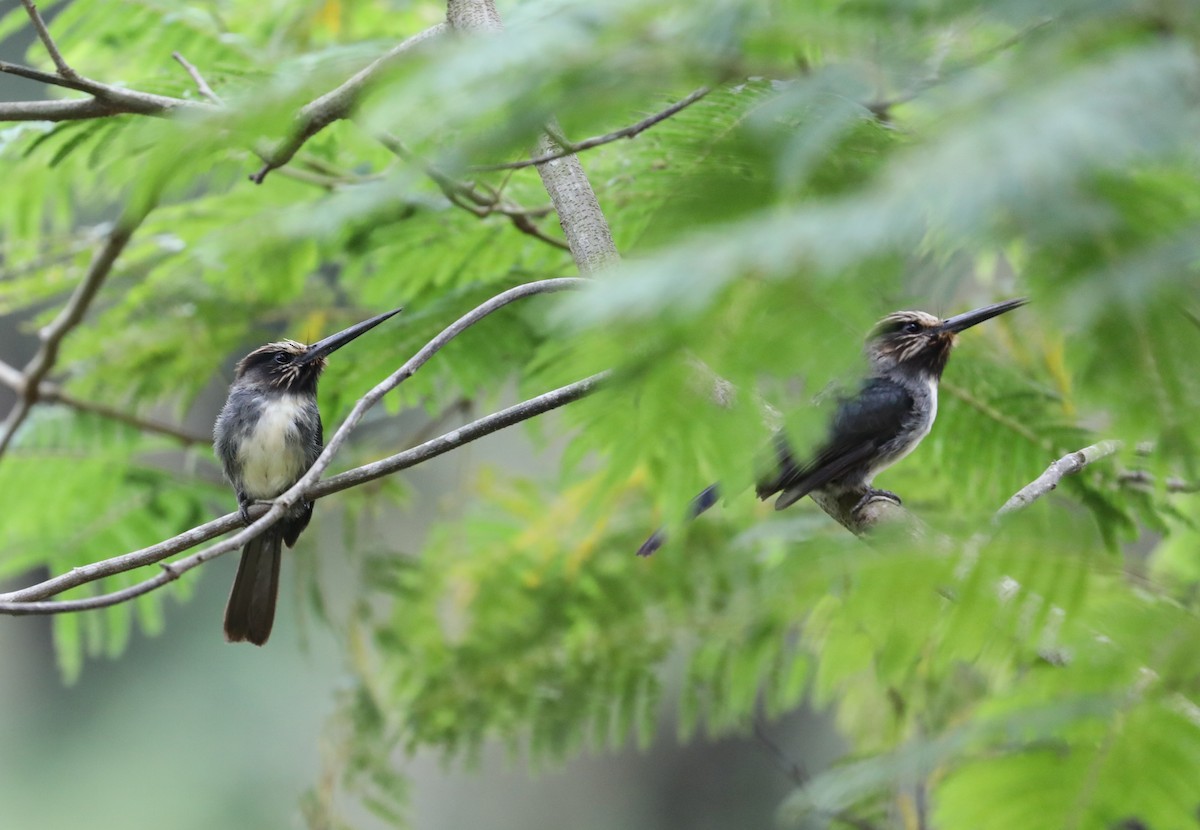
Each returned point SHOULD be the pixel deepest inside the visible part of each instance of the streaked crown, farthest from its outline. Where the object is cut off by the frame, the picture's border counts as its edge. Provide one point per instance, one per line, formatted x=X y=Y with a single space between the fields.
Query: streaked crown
x=911 y=341
x=278 y=365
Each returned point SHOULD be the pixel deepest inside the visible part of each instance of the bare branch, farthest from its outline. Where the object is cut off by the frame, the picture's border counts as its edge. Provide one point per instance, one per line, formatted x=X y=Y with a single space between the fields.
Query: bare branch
x=295 y=493
x=1069 y=464
x=47 y=41
x=633 y=130
x=337 y=103
x=467 y=196
x=118 y=99
x=795 y=771
x=48 y=392
x=882 y=108
x=53 y=394
x=71 y=315
x=588 y=234
x=201 y=85
x=306 y=487
x=77 y=110
x=73 y=82
x=24 y=601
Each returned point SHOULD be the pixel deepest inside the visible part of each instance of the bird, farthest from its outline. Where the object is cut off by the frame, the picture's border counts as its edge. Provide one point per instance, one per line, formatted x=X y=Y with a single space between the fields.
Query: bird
x=890 y=414
x=266 y=436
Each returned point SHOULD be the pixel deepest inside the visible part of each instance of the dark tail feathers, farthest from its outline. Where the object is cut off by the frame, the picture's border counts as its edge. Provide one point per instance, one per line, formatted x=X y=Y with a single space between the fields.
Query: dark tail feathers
x=251 y=609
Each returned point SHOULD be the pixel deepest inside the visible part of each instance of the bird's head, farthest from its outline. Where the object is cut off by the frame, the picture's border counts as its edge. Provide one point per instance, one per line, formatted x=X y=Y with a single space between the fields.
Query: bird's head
x=917 y=343
x=289 y=366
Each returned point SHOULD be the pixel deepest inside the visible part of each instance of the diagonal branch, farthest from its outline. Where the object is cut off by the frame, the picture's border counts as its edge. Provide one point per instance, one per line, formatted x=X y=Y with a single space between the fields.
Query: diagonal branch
x=118 y=99
x=43 y=34
x=48 y=392
x=82 y=109
x=571 y=148
x=1069 y=464
x=307 y=486
x=70 y=316
x=583 y=222
x=24 y=601
x=337 y=103
x=201 y=85
x=466 y=195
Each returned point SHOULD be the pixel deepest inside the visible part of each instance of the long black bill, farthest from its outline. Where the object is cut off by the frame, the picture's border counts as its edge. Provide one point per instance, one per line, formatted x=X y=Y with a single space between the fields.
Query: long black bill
x=335 y=341
x=965 y=321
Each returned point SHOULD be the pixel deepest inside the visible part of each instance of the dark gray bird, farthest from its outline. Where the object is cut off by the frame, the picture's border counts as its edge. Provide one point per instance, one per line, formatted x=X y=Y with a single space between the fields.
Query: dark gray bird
x=892 y=412
x=267 y=436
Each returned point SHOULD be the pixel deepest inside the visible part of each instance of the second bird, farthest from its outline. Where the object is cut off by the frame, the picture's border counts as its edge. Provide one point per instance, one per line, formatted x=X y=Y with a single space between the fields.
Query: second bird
x=267 y=436
x=892 y=412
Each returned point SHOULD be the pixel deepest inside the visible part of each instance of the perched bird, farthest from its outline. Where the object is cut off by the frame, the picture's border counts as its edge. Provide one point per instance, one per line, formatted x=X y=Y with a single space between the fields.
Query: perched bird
x=267 y=436
x=893 y=410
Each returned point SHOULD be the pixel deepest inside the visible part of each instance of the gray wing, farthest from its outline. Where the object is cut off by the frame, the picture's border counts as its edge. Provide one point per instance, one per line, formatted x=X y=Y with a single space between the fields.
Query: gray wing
x=292 y=528
x=861 y=426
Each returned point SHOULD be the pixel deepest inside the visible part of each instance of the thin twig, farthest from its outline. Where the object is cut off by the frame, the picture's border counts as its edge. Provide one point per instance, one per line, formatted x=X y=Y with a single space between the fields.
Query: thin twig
x=1069 y=464
x=573 y=147
x=50 y=78
x=23 y=601
x=295 y=493
x=71 y=315
x=336 y=104
x=117 y=99
x=83 y=109
x=791 y=768
x=43 y=33
x=48 y=392
x=579 y=214
x=800 y=777
x=201 y=85
x=881 y=108
x=467 y=196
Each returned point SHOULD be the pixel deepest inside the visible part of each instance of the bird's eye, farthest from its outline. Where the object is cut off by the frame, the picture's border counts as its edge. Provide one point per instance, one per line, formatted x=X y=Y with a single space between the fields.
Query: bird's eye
x=283 y=357
x=912 y=328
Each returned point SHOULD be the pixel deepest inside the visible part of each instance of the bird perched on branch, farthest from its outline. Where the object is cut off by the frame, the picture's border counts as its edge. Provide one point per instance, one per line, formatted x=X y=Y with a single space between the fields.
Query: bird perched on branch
x=891 y=413
x=267 y=436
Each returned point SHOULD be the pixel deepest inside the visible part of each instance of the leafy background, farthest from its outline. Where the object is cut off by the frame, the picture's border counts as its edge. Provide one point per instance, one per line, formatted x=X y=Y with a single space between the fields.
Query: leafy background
x=853 y=158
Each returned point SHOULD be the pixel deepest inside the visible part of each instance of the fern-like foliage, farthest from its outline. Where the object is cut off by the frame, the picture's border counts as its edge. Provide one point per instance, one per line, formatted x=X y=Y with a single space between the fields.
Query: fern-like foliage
x=850 y=159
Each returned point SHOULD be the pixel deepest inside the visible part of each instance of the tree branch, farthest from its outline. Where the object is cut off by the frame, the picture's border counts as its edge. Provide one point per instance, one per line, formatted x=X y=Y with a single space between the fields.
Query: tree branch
x=23 y=601
x=307 y=487
x=201 y=85
x=48 y=392
x=118 y=99
x=1069 y=464
x=573 y=147
x=583 y=223
x=795 y=771
x=337 y=103
x=76 y=110
x=47 y=41
x=467 y=196
x=71 y=315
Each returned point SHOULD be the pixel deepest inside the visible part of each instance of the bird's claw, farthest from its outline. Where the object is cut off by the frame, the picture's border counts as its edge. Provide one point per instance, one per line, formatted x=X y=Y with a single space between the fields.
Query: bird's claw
x=872 y=494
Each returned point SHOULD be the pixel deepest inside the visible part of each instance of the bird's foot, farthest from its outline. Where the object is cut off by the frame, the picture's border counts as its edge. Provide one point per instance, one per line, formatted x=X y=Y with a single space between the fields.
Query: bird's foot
x=871 y=495
x=246 y=506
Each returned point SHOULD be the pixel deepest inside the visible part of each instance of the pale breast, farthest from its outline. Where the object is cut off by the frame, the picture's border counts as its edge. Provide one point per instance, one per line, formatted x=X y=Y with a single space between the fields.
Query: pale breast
x=272 y=456
x=924 y=412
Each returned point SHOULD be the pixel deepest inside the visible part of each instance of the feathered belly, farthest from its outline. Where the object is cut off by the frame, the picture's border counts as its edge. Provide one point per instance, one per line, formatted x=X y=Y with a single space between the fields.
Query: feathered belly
x=913 y=433
x=272 y=455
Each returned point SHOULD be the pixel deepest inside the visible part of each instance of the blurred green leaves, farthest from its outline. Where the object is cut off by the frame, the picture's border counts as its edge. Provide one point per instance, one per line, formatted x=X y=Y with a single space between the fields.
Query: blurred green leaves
x=852 y=159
